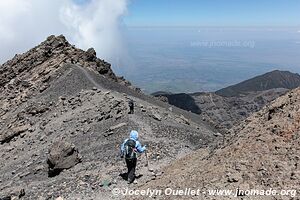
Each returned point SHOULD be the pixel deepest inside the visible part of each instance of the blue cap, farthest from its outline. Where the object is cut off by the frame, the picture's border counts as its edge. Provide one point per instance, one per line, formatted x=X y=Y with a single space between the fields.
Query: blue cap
x=134 y=135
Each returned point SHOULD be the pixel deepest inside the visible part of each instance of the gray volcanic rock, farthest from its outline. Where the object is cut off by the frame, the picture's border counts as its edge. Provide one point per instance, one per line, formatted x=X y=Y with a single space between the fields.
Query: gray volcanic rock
x=52 y=53
x=62 y=155
x=7 y=136
x=224 y=112
x=261 y=153
x=30 y=73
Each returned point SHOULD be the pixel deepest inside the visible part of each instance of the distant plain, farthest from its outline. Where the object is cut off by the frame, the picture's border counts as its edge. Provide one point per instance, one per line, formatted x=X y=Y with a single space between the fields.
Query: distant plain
x=194 y=59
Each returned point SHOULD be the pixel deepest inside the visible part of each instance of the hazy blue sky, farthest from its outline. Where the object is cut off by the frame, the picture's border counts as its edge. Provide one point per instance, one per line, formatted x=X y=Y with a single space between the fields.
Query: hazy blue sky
x=82 y=2
x=213 y=13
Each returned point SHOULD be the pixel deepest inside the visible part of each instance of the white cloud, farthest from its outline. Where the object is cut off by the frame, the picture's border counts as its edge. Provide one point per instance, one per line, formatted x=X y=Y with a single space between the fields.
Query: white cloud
x=25 y=23
x=96 y=23
x=7 y=18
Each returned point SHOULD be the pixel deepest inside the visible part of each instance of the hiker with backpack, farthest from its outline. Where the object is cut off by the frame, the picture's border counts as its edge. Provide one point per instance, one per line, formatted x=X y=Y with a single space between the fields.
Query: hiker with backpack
x=129 y=150
x=131 y=106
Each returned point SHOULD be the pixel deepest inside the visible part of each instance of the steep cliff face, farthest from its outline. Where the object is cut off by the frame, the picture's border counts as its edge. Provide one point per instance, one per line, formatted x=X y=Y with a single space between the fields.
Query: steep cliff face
x=221 y=112
x=224 y=113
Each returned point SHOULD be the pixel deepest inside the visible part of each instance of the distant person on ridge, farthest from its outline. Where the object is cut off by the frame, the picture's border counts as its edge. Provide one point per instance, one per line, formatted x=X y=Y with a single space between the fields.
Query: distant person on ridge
x=131 y=106
x=129 y=149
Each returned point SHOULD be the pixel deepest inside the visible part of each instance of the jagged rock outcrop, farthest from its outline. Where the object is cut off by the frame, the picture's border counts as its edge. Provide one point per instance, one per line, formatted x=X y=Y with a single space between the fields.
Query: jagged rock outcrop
x=31 y=73
x=49 y=55
x=7 y=136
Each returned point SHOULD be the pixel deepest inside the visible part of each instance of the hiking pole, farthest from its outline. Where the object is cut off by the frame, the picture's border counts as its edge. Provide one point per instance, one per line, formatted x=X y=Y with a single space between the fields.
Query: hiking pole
x=147 y=160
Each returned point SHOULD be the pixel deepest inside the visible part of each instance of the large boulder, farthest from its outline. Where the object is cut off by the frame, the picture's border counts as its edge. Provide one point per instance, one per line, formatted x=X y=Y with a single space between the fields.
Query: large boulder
x=62 y=155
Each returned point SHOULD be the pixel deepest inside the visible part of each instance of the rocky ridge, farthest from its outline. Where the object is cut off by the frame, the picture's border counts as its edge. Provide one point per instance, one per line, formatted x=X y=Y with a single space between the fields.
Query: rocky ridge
x=29 y=74
x=267 y=81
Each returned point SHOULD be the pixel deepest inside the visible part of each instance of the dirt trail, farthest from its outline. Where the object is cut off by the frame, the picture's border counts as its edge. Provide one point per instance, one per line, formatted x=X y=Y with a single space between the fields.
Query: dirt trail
x=118 y=90
x=212 y=101
x=89 y=77
x=144 y=128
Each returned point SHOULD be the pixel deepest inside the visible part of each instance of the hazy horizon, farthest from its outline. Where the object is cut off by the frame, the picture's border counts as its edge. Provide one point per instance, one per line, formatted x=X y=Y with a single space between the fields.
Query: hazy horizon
x=194 y=59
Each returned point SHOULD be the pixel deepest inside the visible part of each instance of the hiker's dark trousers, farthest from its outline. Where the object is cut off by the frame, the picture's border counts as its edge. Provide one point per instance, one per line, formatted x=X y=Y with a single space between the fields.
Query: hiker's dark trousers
x=131 y=165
